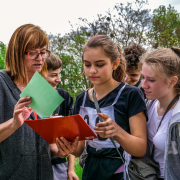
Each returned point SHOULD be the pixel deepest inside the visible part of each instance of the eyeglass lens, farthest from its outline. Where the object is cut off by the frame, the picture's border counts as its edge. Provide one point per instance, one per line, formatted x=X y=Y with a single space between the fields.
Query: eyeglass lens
x=34 y=55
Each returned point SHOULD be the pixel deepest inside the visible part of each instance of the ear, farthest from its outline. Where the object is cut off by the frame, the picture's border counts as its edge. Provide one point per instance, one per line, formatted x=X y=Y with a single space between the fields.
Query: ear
x=116 y=64
x=173 y=81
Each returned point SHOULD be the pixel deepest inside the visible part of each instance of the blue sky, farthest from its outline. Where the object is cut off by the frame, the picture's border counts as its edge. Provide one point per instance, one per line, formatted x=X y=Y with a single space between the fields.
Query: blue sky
x=53 y=16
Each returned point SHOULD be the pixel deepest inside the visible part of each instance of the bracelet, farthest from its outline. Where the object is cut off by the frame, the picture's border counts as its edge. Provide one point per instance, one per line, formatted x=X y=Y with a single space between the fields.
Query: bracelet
x=67 y=156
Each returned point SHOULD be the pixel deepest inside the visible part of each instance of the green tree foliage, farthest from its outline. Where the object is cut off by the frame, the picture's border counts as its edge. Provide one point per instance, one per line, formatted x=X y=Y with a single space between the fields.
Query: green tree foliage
x=130 y=22
x=100 y=25
x=124 y=24
x=2 y=55
x=77 y=40
x=165 y=30
x=69 y=49
x=71 y=78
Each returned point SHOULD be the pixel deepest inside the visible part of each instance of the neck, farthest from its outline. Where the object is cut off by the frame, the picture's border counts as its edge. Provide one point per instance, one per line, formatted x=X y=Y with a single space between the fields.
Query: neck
x=103 y=89
x=20 y=85
x=164 y=102
x=30 y=76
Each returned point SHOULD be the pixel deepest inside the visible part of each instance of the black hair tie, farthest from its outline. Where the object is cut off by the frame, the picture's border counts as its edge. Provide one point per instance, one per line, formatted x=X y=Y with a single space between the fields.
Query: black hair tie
x=177 y=53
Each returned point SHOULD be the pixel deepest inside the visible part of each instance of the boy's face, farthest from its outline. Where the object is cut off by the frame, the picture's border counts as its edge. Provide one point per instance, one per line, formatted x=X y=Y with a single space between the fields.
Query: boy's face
x=53 y=77
x=132 y=76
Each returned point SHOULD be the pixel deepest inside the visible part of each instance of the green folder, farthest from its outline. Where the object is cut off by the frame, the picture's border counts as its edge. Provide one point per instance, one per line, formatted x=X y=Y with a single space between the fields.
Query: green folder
x=44 y=98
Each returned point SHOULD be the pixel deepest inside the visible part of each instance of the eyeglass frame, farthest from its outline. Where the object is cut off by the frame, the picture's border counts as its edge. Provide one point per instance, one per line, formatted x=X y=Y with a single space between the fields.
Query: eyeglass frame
x=27 y=53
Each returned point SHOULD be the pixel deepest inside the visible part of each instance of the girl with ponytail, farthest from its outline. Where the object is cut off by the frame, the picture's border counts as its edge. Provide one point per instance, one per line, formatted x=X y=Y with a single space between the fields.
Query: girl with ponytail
x=160 y=70
x=122 y=111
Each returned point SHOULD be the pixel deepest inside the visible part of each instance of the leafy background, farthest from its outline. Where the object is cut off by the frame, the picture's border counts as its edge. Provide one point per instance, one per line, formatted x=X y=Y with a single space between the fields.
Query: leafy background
x=125 y=23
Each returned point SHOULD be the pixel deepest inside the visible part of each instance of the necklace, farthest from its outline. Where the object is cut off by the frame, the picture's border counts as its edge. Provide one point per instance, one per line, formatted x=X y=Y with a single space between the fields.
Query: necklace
x=20 y=86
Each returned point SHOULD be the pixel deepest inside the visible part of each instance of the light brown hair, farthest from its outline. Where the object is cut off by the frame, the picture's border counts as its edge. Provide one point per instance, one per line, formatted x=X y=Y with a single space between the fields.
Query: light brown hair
x=165 y=61
x=112 y=51
x=53 y=62
x=25 y=37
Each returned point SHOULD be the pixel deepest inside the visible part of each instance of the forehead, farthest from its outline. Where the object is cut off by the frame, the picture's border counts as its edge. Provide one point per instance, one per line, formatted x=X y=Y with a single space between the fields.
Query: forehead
x=36 y=40
x=133 y=71
x=95 y=53
x=151 y=71
x=38 y=49
x=56 y=71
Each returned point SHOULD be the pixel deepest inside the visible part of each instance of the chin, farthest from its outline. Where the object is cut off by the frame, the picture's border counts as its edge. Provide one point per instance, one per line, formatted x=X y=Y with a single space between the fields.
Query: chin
x=150 y=97
x=131 y=83
x=38 y=70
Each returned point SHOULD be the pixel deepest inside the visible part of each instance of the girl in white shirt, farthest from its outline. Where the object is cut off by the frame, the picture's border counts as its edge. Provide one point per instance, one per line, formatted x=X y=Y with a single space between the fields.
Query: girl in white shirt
x=161 y=82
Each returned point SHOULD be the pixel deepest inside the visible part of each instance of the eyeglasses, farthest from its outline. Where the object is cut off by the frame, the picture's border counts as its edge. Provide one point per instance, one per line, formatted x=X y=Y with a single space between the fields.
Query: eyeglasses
x=34 y=55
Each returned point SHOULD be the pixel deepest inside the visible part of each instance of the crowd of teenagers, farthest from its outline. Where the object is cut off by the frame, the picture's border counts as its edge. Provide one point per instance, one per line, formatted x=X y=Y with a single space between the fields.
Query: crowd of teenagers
x=133 y=90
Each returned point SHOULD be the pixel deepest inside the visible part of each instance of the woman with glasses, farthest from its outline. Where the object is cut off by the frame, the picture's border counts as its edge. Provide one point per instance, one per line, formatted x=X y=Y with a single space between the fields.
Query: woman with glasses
x=23 y=153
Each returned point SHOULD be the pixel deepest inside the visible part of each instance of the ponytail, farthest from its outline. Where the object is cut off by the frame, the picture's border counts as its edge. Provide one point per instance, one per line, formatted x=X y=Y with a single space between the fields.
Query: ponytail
x=120 y=72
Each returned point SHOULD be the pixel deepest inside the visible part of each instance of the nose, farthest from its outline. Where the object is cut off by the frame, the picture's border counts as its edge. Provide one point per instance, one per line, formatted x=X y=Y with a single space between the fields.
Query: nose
x=39 y=57
x=93 y=69
x=58 y=79
x=144 y=84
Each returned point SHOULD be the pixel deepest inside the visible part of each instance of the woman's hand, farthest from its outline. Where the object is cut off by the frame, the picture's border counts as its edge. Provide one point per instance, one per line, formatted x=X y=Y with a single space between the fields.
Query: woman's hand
x=21 y=113
x=65 y=147
x=108 y=128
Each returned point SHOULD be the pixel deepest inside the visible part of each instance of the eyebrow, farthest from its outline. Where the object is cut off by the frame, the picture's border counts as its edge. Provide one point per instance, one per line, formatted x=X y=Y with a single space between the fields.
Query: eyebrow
x=43 y=49
x=95 y=61
x=148 y=76
x=53 y=73
x=35 y=50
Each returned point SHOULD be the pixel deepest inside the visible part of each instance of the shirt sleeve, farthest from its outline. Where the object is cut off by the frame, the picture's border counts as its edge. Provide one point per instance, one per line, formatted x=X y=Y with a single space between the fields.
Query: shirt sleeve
x=78 y=103
x=69 y=107
x=136 y=102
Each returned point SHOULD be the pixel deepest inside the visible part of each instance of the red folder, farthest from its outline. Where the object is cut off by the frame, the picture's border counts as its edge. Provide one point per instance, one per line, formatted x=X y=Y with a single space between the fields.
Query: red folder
x=66 y=126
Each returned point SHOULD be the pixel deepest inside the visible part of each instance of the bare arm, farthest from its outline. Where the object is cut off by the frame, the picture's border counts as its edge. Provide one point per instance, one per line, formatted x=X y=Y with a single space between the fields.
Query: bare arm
x=71 y=173
x=54 y=150
x=71 y=159
x=20 y=114
x=134 y=143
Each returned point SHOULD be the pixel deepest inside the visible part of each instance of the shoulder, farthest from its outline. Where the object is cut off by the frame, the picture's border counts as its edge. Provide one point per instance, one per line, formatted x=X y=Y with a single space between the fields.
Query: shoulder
x=150 y=103
x=2 y=72
x=3 y=75
x=80 y=97
x=177 y=108
x=131 y=88
x=133 y=92
x=132 y=101
x=5 y=80
x=78 y=103
x=63 y=92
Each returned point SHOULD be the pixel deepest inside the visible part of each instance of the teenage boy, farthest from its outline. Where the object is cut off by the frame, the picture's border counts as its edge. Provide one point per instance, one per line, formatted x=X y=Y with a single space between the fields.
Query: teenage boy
x=61 y=170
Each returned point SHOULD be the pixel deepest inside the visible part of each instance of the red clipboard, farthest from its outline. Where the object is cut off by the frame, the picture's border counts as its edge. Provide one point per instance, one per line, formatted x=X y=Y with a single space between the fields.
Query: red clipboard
x=66 y=126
